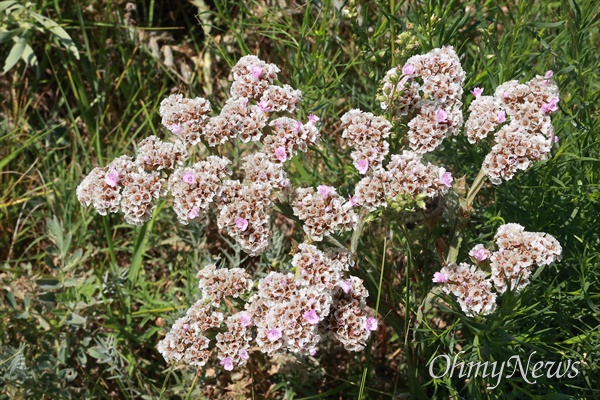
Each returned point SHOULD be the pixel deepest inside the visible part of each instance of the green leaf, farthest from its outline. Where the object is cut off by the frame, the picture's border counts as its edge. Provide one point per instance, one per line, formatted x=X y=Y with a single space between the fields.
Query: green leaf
x=15 y=54
x=7 y=35
x=4 y=5
x=29 y=56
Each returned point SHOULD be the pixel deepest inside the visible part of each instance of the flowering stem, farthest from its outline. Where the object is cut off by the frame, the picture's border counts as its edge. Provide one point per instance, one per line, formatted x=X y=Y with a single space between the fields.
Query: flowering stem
x=465 y=214
x=392 y=30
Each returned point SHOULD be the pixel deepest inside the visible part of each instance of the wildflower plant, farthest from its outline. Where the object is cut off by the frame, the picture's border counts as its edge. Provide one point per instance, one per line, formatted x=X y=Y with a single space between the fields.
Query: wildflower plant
x=317 y=296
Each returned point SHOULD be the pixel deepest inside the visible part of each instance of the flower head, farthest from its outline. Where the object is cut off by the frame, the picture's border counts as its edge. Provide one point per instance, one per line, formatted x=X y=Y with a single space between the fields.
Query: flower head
x=480 y=254
x=323 y=190
x=175 y=129
x=263 y=106
x=245 y=319
x=193 y=213
x=256 y=71
x=243 y=353
x=440 y=277
x=346 y=286
x=353 y=200
x=501 y=117
x=241 y=223
x=551 y=106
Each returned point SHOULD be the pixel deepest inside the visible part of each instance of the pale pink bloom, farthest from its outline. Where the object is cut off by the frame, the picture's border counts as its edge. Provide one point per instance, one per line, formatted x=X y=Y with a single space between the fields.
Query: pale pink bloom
x=297 y=126
x=112 y=178
x=477 y=92
x=285 y=183
x=227 y=364
x=441 y=116
x=353 y=200
x=245 y=319
x=323 y=190
x=193 y=213
x=501 y=117
x=241 y=223
x=440 y=277
x=371 y=324
x=551 y=106
x=311 y=317
x=468 y=300
x=408 y=69
x=281 y=154
x=549 y=74
x=146 y=158
x=447 y=179
x=480 y=254
x=362 y=166
x=312 y=352
x=555 y=139
x=263 y=106
x=188 y=178
x=243 y=354
x=175 y=129
x=313 y=119
x=346 y=286
x=244 y=101
x=186 y=327
x=256 y=71
x=273 y=334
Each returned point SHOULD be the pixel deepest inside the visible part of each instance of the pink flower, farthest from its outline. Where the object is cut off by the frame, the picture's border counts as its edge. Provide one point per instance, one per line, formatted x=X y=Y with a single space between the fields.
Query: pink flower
x=245 y=319
x=112 y=178
x=477 y=92
x=549 y=74
x=346 y=286
x=480 y=254
x=440 y=277
x=243 y=354
x=273 y=334
x=175 y=129
x=362 y=165
x=371 y=324
x=555 y=139
x=186 y=327
x=263 y=106
x=353 y=200
x=441 y=116
x=193 y=213
x=188 y=178
x=256 y=71
x=244 y=101
x=311 y=317
x=501 y=117
x=551 y=106
x=227 y=364
x=408 y=69
x=312 y=352
x=323 y=190
x=313 y=119
x=281 y=154
x=241 y=223
x=297 y=126
x=447 y=179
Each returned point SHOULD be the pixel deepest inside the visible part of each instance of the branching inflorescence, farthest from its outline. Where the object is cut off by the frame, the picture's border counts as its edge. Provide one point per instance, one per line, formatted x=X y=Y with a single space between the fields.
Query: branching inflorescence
x=292 y=312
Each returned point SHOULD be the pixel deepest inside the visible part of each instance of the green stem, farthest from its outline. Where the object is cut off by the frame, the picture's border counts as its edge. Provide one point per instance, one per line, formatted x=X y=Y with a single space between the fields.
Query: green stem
x=393 y=31
x=358 y=231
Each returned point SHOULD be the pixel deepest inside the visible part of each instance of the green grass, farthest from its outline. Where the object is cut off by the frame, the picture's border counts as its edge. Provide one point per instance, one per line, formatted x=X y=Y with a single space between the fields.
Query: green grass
x=84 y=299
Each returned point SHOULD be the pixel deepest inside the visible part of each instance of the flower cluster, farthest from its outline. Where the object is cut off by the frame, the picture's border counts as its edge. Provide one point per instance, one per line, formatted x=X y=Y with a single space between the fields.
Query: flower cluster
x=522 y=111
x=323 y=212
x=511 y=266
x=286 y=312
x=367 y=134
x=243 y=207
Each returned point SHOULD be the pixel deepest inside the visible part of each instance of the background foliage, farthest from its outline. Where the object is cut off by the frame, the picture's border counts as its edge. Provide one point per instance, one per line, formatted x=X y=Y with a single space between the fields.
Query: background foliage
x=84 y=299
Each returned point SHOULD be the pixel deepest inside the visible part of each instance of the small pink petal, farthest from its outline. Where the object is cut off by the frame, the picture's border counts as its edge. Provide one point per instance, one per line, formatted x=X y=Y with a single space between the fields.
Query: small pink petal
x=440 y=277
x=297 y=126
x=477 y=92
x=447 y=179
x=263 y=106
x=227 y=364
x=408 y=69
x=346 y=286
x=481 y=254
x=175 y=129
x=549 y=74
x=112 y=178
x=241 y=223
x=273 y=334
x=281 y=154
x=193 y=213
x=441 y=116
x=371 y=324
x=311 y=317
x=245 y=319
x=323 y=190
x=243 y=353
x=362 y=165
x=353 y=200
x=501 y=117
x=313 y=119
x=256 y=71
x=188 y=178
